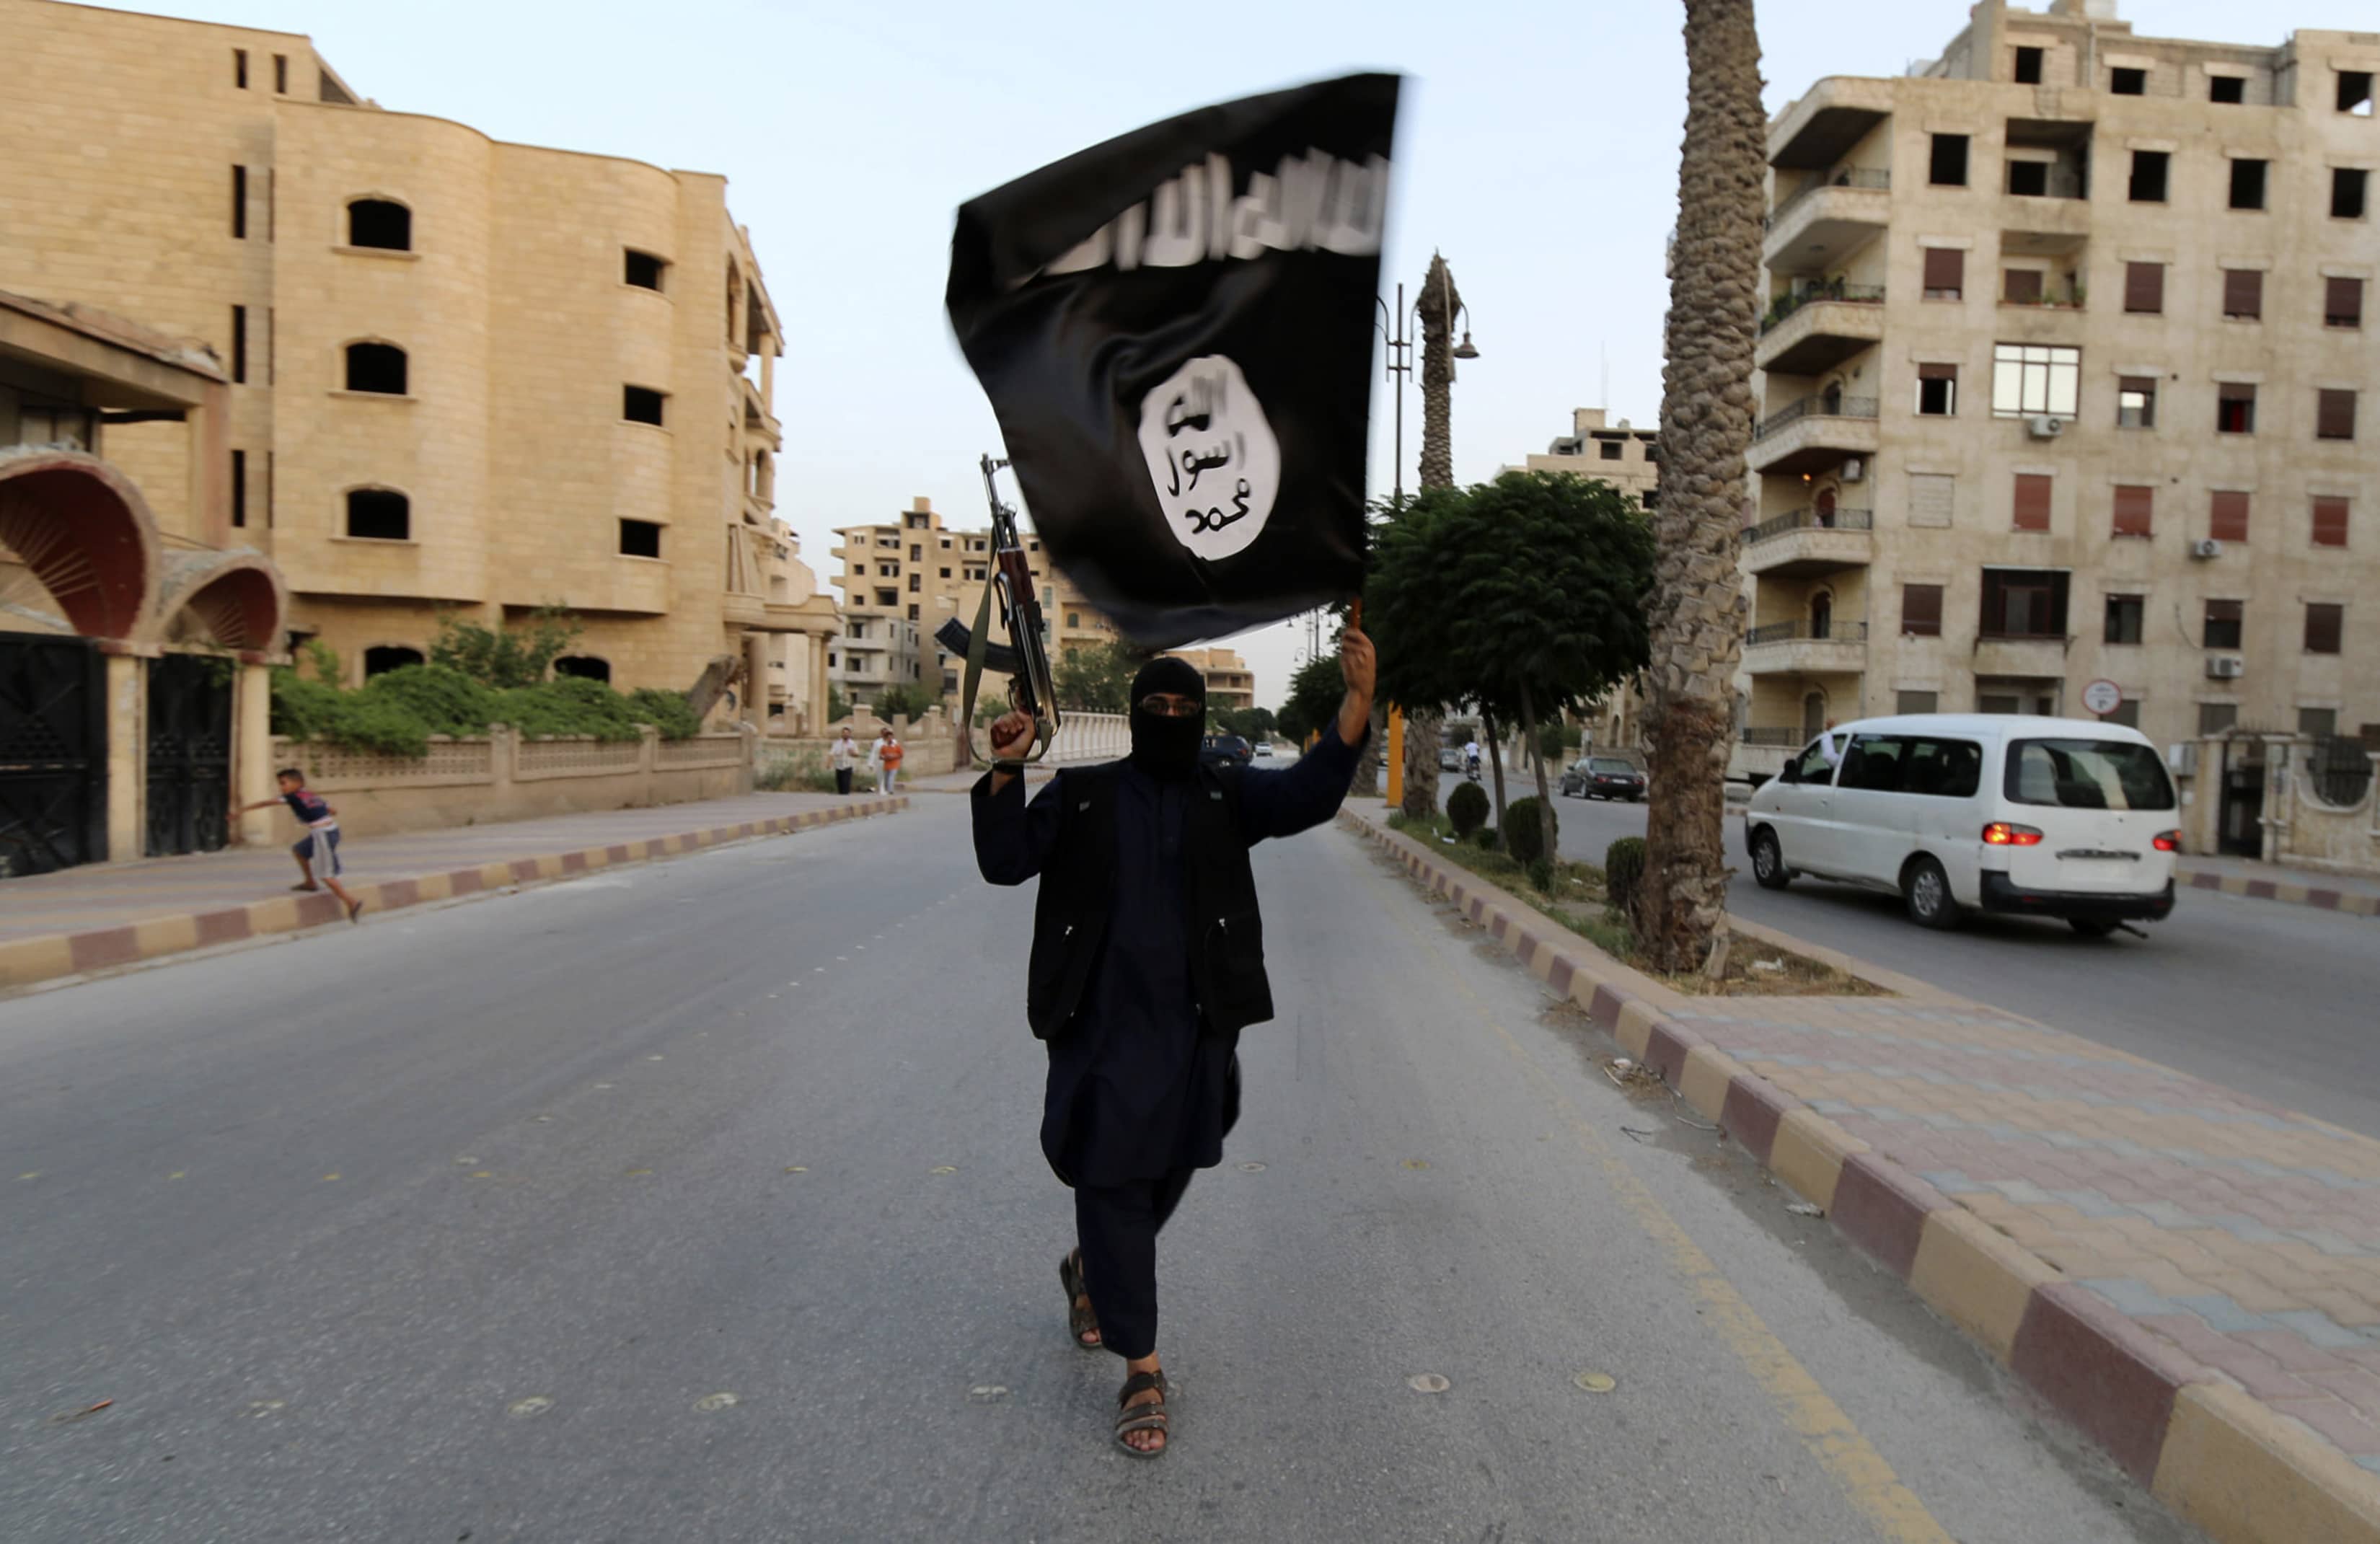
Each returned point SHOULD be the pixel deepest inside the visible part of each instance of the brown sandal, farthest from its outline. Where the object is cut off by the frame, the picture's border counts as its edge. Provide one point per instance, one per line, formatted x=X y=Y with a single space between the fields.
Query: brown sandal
x=1080 y=1319
x=1150 y=1416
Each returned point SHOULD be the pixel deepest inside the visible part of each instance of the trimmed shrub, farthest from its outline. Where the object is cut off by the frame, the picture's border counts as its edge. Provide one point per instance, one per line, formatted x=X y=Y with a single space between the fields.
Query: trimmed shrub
x=1485 y=836
x=444 y=699
x=667 y=711
x=1524 y=832
x=1541 y=875
x=1623 y=870
x=1467 y=808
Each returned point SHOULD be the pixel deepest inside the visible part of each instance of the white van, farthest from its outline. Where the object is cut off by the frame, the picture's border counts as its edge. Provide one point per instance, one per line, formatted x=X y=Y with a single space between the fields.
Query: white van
x=2040 y=817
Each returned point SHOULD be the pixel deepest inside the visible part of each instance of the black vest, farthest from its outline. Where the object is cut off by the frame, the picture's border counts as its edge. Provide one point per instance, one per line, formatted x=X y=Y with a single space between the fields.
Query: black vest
x=1225 y=936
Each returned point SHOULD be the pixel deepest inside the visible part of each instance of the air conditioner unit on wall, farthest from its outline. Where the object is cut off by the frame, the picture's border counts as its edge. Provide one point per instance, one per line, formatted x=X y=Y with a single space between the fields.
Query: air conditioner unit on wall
x=2226 y=667
x=2207 y=547
x=2045 y=426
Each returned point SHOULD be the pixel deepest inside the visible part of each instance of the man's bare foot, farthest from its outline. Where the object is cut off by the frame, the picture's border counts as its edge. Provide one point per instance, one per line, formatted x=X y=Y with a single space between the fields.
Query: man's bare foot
x=1150 y=1439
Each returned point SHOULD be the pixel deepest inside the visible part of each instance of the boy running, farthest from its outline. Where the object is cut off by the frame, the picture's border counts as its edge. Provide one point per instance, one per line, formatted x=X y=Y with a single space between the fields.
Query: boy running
x=321 y=824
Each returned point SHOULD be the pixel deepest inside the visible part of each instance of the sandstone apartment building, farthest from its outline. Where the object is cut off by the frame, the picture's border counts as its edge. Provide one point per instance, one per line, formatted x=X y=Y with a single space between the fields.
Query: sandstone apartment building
x=467 y=376
x=2067 y=375
x=903 y=578
x=1627 y=458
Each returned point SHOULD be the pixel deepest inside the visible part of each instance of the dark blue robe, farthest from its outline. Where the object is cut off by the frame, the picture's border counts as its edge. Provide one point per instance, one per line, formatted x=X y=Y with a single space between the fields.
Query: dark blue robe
x=1136 y=1090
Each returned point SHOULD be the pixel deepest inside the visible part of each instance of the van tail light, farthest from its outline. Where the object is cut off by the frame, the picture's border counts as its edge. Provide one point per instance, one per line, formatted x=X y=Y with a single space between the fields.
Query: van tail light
x=2166 y=840
x=2000 y=834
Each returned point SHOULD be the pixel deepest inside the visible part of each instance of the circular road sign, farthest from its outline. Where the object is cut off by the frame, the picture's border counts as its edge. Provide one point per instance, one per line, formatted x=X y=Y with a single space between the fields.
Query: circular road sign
x=2103 y=696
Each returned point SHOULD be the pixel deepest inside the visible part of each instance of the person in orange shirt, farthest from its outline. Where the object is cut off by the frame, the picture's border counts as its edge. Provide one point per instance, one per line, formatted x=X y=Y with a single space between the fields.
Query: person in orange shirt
x=885 y=757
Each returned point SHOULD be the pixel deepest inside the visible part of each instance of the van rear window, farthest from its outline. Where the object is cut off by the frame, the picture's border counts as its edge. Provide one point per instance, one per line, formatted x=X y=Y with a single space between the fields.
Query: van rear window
x=2087 y=774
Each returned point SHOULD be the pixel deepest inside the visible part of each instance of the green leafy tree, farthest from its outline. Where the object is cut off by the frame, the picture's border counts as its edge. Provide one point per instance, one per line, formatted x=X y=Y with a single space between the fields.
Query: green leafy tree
x=502 y=657
x=1526 y=594
x=1314 y=693
x=1097 y=678
x=837 y=709
x=905 y=699
x=1252 y=725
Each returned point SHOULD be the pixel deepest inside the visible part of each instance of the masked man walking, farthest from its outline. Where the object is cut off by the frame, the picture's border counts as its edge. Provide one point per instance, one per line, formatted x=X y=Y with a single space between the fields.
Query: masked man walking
x=1147 y=960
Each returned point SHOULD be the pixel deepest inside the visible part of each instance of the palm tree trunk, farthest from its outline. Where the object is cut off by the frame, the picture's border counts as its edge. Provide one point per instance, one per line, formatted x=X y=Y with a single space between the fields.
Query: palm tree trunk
x=1706 y=418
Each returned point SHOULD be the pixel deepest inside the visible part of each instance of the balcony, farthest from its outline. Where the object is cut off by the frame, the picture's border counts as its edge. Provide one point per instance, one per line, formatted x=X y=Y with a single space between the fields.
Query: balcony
x=2021 y=656
x=1814 y=230
x=1809 y=542
x=1786 y=736
x=1828 y=122
x=1814 y=434
x=1813 y=330
x=1789 y=649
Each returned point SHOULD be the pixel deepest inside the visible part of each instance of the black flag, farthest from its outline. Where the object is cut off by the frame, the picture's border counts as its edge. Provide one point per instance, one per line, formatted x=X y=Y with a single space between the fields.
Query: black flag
x=1175 y=329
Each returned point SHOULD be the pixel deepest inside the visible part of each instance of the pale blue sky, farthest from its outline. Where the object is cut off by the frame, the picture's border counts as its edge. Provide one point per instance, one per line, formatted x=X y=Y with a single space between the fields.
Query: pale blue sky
x=1538 y=149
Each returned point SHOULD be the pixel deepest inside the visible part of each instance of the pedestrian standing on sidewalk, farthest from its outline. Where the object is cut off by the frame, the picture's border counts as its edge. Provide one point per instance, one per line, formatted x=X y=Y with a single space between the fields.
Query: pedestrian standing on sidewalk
x=885 y=757
x=1148 y=961
x=846 y=755
x=322 y=838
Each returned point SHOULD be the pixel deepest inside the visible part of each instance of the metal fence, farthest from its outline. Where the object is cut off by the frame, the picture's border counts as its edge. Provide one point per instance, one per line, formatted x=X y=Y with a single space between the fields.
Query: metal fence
x=1812 y=519
x=1800 y=629
x=1816 y=408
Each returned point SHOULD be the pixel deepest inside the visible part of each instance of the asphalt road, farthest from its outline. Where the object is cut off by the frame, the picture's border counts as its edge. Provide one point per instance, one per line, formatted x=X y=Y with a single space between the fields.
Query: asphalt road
x=700 y=1201
x=2274 y=1001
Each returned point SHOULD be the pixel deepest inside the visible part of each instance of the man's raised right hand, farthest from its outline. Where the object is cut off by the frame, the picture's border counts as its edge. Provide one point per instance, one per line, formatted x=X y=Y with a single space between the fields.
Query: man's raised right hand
x=1011 y=736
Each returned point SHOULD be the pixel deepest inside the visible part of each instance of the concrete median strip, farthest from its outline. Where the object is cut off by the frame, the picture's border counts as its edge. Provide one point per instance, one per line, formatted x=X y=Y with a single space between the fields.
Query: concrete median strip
x=2220 y=1456
x=25 y=961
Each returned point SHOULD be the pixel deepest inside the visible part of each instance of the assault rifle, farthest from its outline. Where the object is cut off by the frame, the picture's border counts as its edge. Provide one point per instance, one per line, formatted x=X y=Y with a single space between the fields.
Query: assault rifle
x=1026 y=658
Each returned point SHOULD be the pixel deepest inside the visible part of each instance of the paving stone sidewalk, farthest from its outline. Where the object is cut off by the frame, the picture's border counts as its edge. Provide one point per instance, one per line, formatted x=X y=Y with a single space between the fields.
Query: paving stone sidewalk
x=2356 y=895
x=112 y=914
x=2246 y=1235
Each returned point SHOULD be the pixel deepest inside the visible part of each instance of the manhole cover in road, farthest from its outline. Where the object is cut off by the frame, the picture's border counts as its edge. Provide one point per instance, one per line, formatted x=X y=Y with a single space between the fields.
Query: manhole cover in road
x=714 y=1402
x=1252 y=1168
x=1596 y=1382
x=535 y=1404
x=1428 y=1383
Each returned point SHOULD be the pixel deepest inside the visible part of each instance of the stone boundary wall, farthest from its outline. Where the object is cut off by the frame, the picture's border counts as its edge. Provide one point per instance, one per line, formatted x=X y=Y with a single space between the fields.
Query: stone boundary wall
x=507 y=776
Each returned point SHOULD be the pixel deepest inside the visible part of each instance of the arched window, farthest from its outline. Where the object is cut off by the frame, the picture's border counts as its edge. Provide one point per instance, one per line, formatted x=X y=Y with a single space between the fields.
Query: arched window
x=383 y=658
x=587 y=667
x=376 y=366
x=382 y=223
x=1822 y=615
x=380 y=514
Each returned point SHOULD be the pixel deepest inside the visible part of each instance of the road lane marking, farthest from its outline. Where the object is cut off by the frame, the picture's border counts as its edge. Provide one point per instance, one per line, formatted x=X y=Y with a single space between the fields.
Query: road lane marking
x=1832 y=1438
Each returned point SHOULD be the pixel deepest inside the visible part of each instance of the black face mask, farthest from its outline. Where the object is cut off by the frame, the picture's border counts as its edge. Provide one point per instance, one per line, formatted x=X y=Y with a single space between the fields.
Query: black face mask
x=1161 y=747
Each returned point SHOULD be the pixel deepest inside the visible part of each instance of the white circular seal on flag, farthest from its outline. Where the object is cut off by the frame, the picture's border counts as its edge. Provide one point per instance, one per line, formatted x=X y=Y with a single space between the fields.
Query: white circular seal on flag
x=1212 y=456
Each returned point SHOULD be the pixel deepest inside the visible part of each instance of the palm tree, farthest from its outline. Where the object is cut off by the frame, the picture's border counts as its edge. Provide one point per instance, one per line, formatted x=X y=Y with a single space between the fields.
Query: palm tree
x=1438 y=307
x=1707 y=417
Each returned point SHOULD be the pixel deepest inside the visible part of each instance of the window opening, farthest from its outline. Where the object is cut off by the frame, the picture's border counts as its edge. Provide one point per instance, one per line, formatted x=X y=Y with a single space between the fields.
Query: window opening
x=584 y=667
x=2133 y=506
x=2149 y=167
x=2248 y=184
x=640 y=405
x=2235 y=409
x=240 y=488
x=1921 y=610
x=2029 y=378
x=2355 y=92
x=640 y=539
x=2225 y=621
x=239 y=67
x=2230 y=89
x=644 y=270
x=380 y=514
x=2136 y=402
x=2324 y=622
x=380 y=224
x=2028 y=67
x=240 y=345
x=2342 y=302
x=383 y=658
x=1946 y=269
x=1947 y=167
x=2024 y=602
x=1938 y=390
x=2227 y=515
x=2128 y=82
x=2329 y=522
x=2244 y=294
x=376 y=366
x=2144 y=288
x=2346 y=192
x=2125 y=614
x=2334 y=415
x=2029 y=178
x=239 y=203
